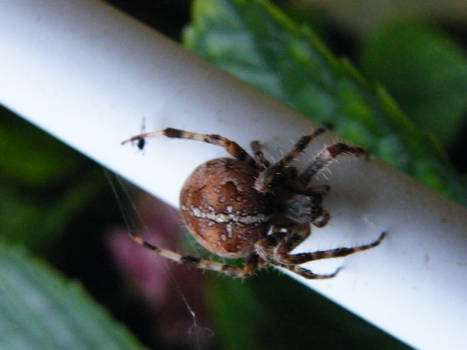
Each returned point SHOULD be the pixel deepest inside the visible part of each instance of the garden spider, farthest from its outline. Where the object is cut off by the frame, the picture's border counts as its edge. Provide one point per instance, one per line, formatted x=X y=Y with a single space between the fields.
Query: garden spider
x=245 y=207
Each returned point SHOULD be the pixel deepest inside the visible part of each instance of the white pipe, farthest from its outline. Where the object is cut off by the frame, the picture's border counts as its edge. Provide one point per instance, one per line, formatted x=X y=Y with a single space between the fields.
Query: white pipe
x=88 y=75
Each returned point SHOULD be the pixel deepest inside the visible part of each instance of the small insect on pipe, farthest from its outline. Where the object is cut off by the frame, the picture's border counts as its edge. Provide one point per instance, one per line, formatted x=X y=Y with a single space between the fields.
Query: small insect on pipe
x=246 y=207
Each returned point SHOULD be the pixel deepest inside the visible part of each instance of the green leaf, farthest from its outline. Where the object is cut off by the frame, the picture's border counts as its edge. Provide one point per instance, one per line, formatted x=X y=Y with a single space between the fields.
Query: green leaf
x=425 y=71
x=39 y=309
x=30 y=156
x=256 y=42
x=43 y=183
x=33 y=221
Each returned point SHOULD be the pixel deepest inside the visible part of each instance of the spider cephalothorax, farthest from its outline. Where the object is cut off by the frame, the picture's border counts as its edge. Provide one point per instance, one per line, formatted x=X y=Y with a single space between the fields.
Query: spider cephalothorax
x=245 y=207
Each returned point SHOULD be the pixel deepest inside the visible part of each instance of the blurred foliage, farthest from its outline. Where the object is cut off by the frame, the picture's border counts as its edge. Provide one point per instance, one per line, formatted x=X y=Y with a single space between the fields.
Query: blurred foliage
x=259 y=44
x=42 y=184
x=31 y=157
x=272 y=311
x=425 y=71
x=41 y=310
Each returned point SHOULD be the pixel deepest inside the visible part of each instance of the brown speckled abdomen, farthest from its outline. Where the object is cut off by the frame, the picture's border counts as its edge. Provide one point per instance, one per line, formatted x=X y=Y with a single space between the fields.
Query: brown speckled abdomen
x=221 y=208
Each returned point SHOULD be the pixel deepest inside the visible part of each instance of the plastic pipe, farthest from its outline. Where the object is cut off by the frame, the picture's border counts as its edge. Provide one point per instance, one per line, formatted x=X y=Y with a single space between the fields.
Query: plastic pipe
x=89 y=75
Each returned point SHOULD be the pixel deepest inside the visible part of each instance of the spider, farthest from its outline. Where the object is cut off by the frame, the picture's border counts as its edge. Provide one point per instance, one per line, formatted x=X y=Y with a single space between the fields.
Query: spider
x=245 y=207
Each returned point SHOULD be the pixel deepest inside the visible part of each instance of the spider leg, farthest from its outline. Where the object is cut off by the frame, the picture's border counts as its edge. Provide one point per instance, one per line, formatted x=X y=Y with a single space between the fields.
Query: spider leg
x=274 y=250
x=301 y=258
x=203 y=264
x=270 y=175
x=286 y=239
x=294 y=236
x=269 y=249
x=230 y=146
x=281 y=241
x=259 y=155
x=326 y=157
x=309 y=274
x=322 y=220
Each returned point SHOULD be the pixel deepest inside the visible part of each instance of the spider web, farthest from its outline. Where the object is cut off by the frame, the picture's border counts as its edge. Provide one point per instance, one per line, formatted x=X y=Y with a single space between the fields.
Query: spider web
x=135 y=223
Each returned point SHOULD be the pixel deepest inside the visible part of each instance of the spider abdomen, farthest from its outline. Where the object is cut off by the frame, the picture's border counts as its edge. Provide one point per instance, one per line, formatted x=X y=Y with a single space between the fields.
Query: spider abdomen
x=222 y=210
